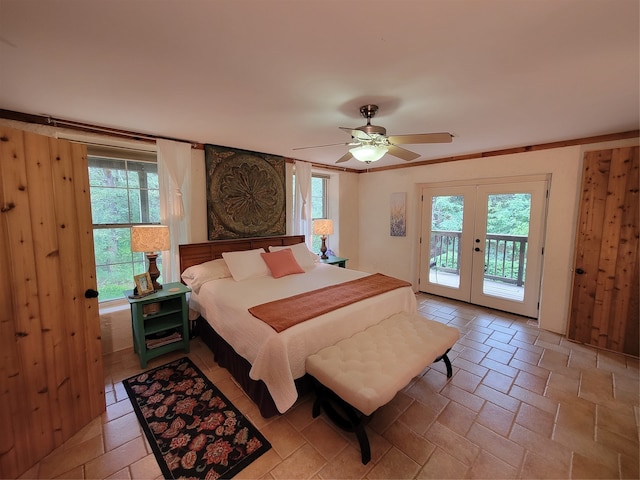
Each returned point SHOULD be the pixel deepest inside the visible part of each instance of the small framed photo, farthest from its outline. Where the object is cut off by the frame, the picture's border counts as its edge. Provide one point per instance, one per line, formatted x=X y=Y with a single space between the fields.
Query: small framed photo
x=143 y=283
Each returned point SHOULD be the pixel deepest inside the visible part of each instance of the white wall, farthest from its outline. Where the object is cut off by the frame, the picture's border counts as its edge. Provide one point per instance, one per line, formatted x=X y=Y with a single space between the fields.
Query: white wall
x=399 y=256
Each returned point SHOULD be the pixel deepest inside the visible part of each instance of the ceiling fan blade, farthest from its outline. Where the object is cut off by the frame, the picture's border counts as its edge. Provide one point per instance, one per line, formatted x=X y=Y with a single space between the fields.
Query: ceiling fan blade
x=402 y=153
x=421 y=138
x=345 y=158
x=355 y=133
x=320 y=146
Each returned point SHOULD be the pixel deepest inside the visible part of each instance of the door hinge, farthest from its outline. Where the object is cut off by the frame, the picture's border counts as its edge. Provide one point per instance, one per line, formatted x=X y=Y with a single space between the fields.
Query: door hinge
x=542 y=250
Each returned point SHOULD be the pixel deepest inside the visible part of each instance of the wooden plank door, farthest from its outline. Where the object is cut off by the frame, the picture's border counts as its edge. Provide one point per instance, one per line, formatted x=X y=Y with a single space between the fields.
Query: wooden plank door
x=604 y=305
x=51 y=378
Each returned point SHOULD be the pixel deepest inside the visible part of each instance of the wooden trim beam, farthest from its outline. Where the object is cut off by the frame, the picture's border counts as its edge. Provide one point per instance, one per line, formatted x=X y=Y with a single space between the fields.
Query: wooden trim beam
x=85 y=127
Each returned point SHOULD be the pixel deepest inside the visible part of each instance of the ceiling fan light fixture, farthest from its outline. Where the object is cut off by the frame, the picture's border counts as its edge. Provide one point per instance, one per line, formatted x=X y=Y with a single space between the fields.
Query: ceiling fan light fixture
x=369 y=153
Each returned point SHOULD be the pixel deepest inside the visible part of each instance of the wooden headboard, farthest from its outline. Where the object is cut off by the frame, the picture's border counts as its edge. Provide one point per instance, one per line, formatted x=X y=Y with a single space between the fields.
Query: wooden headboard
x=195 y=253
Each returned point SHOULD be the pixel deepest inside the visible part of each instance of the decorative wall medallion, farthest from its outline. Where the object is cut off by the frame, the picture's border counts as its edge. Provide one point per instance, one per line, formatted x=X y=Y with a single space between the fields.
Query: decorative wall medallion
x=245 y=193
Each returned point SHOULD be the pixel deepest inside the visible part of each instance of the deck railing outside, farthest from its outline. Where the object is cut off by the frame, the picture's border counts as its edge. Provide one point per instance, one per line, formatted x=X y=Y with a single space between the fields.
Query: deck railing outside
x=505 y=255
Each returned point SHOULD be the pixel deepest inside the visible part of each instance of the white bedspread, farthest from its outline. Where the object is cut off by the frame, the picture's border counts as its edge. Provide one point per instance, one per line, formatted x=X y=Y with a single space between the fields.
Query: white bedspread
x=279 y=358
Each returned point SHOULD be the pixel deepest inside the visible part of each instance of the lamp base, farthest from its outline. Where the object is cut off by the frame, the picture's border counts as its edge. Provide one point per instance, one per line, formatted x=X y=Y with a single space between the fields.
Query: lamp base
x=154 y=273
x=323 y=248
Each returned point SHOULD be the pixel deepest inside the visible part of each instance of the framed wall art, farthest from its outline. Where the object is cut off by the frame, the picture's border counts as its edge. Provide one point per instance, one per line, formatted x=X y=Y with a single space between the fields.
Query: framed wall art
x=245 y=193
x=398 y=221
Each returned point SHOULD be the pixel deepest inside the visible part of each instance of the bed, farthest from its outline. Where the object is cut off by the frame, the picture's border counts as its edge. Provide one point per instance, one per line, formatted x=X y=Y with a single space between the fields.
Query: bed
x=269 y=365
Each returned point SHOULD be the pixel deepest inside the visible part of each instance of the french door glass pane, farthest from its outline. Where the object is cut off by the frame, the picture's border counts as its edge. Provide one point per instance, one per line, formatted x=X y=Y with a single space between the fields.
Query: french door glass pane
x=446 y=233
x=506 y=245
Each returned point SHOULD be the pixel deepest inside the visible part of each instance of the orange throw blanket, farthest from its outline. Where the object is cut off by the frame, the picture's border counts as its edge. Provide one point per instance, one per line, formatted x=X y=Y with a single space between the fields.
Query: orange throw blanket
x=287 y=312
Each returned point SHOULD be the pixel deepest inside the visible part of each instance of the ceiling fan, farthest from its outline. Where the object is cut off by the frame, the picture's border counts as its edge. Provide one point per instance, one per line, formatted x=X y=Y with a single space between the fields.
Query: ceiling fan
x=370 y=142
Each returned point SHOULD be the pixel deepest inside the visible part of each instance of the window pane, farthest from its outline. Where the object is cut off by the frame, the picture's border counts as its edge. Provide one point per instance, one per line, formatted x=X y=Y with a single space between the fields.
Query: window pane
x=112 y=245
x=105 y=172
x=109 y=205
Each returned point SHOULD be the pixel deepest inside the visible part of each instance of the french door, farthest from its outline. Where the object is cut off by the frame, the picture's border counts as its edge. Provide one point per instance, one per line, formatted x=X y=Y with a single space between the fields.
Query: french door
x=482 y=243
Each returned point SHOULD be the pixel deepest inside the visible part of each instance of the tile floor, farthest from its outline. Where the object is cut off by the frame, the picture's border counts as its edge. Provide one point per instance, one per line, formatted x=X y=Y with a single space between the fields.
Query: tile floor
x=522 y=403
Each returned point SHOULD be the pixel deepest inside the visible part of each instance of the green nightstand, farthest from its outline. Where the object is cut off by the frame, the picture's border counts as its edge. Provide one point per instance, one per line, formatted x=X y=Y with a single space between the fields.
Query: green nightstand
x=341 y=262
x=160 y=321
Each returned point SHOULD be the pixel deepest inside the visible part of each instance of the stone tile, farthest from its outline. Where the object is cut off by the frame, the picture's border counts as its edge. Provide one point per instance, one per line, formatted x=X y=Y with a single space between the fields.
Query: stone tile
x=498 y=381
x=457 y=445
x=536 y=467
x=497 y=445
x=531 y=382
x=596 y=386
x=553 y=452
x=419 y=417
x=543 y=403
x=469 y=400
x=472 y=355
x=552 y=360
x=527 y=356
x=305 y=462
x=535 y=419
x=346 y=465
x=121 y=430
x=499 y=398
x=283 y=437
x=441 y=465
x=395 y=464
x=470 y=367
x=457 y=417
x=466 y=381
x=585 y=467
x=409 y=442
x=499 y=367
x=496 y=418
x=146 y=467
x=622 y=421
x=500 y=356
x=64 y=459
x=527 y=367
x=324 y=438
x=116 y=459
x=489 y=466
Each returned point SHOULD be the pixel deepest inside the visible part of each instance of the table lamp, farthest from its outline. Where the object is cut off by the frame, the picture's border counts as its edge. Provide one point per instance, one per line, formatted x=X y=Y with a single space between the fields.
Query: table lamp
x=151 y=239
x=324 y=227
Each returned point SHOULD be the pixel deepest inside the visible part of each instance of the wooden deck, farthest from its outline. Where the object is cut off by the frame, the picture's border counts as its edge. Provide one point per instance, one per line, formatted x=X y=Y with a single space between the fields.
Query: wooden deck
x=491 y=287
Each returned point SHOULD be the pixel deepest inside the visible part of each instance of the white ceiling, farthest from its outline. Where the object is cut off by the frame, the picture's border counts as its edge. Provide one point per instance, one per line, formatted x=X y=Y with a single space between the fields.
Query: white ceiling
x=274 y=75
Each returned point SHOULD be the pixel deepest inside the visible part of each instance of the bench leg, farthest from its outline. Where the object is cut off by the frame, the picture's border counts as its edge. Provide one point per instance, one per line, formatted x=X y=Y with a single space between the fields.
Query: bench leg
x=349 y=420
x=446 y=361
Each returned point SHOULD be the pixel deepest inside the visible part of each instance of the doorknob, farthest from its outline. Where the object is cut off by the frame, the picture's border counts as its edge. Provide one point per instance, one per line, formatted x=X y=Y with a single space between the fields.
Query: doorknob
x=90 y=293
x=477 y=249
x=579 y=271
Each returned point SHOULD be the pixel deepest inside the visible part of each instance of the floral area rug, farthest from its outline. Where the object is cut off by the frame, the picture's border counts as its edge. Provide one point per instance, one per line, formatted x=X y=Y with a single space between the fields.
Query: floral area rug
x=194 y=431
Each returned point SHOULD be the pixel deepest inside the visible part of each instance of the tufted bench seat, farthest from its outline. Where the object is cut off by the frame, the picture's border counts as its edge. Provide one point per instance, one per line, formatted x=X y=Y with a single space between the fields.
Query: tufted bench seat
x=361 y=373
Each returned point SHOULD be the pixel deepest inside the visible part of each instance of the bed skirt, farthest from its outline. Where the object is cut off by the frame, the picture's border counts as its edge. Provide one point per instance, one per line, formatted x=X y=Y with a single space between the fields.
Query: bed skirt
x=239 y=368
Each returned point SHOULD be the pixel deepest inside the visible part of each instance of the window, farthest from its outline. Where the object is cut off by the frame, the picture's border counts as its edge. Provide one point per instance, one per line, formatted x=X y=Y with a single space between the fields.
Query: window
x=124 y=192
x=319 y=202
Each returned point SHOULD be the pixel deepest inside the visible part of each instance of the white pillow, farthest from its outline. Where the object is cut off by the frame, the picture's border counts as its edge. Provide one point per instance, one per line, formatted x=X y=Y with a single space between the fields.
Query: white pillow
x=246 y=264
x=197 y=275
x=303 y=256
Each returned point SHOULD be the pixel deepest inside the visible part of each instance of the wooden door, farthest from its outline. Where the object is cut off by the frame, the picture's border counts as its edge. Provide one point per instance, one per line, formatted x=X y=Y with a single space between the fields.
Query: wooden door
x=604 y=305
x=51 y=378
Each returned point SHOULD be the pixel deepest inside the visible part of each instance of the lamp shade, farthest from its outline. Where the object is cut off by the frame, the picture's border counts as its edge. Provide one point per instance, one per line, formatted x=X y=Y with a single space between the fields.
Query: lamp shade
x=150 y=238
x=369 y=153
x=323 y=226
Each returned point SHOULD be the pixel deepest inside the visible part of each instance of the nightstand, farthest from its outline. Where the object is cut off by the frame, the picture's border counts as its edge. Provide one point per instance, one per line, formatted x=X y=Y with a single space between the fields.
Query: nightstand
x=160 y=321
x=341 y=262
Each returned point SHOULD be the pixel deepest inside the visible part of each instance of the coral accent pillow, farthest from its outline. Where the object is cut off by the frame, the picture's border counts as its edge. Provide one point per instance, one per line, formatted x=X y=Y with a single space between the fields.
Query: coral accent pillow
x=281 y=263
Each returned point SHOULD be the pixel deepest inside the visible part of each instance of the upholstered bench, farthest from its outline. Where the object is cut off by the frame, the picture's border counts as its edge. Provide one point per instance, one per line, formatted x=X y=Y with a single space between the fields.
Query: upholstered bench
x=364 y=372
